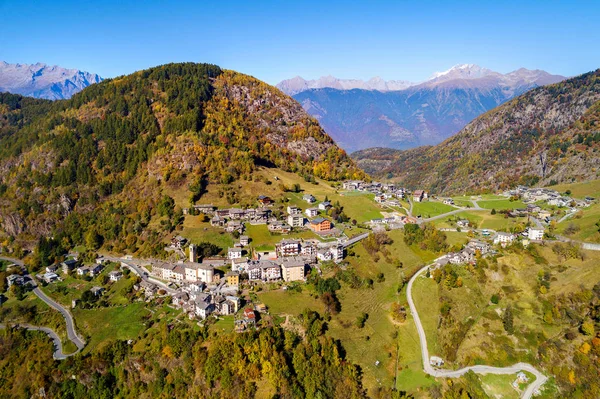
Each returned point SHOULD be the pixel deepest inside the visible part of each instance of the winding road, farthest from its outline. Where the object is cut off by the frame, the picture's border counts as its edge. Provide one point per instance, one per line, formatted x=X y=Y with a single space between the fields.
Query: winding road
x=540 y=379
x=58 y=349
x=71 y=333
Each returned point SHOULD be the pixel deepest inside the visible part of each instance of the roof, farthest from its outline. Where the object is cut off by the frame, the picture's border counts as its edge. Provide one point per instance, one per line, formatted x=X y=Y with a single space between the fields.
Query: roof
x=318 y=220
x=235 y=250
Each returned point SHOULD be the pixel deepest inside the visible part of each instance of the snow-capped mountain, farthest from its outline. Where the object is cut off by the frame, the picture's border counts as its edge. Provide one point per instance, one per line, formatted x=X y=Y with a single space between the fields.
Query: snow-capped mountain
x=418 y=114
x=44 y=81
x=463 y=71
x=298 y=84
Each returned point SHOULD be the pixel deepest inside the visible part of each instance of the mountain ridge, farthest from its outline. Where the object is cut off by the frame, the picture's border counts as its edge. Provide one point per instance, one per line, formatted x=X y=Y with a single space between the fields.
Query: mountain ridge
x=44 y=81
x=422 y=114
x=548 y=135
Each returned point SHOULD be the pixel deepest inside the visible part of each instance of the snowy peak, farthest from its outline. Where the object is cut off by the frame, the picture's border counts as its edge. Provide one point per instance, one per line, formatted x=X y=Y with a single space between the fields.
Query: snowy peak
x=298 y=84
x=463 y=71
x=43 y=81
x=459 y=76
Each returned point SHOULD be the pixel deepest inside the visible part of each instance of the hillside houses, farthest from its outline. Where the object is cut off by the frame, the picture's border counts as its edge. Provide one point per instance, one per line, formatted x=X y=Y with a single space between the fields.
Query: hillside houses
x=551 y=197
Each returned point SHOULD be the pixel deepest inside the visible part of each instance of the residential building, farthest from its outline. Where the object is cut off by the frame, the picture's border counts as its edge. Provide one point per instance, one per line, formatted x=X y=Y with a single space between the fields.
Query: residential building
x=244 y=240
x=115 y=275
x=535 y=234
x=68 y=265
x=265 y=270
x=237 y=303
x=463 y=223
x=419 y=195
x=218 y=221
x=288 y=248
x=83 y=271
x=293 y=210
x=178 y=242
x=324 y=205
x=233 y=278
x=308 y=249
x=311 y=212
x=295 y=220
x=309 y=198
x=52 y=269
x=50 y=277
x=337 y=252
x=97 y=291
x=15 y=279
x=265 y=201
x=279 y=227
x=320 y=224
x=203 y=309
x=292 y=270
x=96 y=270
x=234 y=253
x=503 y=238
x=239 y=265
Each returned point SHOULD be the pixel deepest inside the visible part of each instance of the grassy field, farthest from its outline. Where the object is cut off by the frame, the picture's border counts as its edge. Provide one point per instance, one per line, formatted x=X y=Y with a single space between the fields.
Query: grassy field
x=283 y=303
x=580 y=190
x=585 y=220
x=104 y=324
x=483 y=220
x=431 y=208
x=499 y=386
x=426 y=297
x=499 y=204
x=197 y=231
x=262 y=238
x=482 y=197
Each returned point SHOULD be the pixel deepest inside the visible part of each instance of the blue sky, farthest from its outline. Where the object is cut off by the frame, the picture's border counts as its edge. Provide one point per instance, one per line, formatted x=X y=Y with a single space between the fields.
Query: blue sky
x=274 y=40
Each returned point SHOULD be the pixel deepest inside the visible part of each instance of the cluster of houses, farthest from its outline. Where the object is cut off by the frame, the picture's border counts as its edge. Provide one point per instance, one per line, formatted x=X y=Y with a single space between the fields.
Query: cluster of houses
x=233 y=219
x=385 y=193
x=534 y=234
x=203 y=289
x=393 y=222
x=551 y=197
x=467 y=255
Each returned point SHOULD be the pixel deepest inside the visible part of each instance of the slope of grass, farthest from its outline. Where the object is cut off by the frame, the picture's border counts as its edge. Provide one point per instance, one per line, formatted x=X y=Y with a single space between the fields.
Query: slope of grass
x=585 y=220
x=499 y=204
x=431 y=208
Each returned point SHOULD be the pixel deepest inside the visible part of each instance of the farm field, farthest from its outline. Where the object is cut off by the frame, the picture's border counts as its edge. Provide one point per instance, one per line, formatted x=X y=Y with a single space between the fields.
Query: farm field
x=431 y=208
x=499 y=204
x=100 y=325
x=197 y=231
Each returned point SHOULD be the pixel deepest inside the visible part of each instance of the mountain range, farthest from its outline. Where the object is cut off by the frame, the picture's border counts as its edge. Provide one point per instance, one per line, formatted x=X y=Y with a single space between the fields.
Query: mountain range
x=545 y=136
x=44 y=81
x=404 y=115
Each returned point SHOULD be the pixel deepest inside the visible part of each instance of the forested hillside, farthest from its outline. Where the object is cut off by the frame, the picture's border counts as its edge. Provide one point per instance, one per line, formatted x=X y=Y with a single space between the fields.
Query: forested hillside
x=546 y=136
x=97 y=165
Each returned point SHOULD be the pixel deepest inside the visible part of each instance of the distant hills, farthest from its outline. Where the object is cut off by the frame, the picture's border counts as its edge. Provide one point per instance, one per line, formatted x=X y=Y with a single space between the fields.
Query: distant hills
x=546 y=136
x=102 y=162
x=44 y=81
x=400 y=114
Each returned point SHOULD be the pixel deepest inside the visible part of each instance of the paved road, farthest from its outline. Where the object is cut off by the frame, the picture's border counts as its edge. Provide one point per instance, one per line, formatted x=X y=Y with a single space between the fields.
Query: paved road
x=58 y=349
x=540 y=379
x=71 y=333
x=141 y=271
